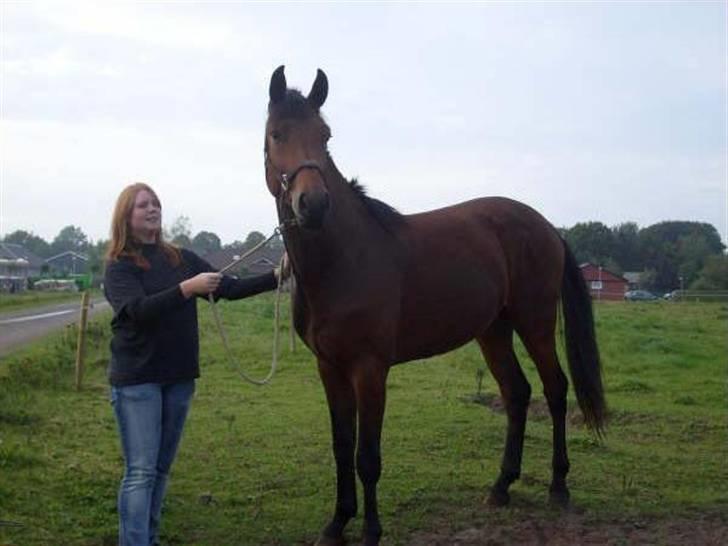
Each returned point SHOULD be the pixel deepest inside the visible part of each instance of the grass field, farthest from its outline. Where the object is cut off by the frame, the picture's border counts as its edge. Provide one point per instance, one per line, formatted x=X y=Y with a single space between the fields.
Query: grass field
x=255 y=466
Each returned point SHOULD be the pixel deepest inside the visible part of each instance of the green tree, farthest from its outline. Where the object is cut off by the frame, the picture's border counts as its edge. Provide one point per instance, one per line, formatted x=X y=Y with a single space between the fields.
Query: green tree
x=96 y=255
x=181 y=231
x=590 y=242
x=714 y=275
x=626 y=246
x=253 y=238
x=677 y=249
x=37 y=245
x=70 y=238
x=205 y=242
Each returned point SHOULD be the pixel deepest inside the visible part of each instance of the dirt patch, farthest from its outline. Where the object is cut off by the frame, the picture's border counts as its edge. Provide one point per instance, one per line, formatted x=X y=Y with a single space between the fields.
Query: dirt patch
x=576 y=529
x=538 y=409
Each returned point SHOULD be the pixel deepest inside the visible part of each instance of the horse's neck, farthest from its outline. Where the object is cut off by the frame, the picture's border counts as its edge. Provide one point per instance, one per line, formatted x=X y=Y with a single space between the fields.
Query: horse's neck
x=347 y=247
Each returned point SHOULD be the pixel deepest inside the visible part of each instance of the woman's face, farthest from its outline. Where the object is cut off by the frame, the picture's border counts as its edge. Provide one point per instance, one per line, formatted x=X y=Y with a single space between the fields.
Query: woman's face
x=146 y=217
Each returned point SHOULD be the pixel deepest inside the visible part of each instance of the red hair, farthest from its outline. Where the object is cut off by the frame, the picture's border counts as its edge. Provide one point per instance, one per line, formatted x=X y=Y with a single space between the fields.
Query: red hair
x=122 y=242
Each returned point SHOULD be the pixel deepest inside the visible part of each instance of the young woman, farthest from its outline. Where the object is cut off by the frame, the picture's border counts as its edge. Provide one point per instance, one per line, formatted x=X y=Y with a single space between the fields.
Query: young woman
x=151 y=286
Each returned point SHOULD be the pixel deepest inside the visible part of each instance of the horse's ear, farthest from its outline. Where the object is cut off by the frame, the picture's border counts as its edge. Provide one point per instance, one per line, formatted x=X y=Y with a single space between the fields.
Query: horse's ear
x=277 y=90
x=319 y=91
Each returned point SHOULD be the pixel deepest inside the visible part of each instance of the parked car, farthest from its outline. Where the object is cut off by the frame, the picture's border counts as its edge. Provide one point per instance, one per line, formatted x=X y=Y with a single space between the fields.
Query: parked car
x=639 y=295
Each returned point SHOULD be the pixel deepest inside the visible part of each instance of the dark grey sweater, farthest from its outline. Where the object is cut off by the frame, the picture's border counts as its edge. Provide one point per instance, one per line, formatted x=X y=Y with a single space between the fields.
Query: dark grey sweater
x=155 y=336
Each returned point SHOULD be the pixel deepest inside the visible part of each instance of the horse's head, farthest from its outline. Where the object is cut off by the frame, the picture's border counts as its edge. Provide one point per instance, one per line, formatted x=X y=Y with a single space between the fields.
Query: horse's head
x=295 y=150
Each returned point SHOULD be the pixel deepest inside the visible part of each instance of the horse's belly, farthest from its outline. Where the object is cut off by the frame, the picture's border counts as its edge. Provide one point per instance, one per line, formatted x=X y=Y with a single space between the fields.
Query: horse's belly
x=430 y=325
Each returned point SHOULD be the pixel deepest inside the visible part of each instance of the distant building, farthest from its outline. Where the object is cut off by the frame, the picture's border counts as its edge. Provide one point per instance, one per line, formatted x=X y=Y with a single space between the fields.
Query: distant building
x=68 y=263
x=17 y=264
x=261 y=261
x=603 y=284
x=633 y=279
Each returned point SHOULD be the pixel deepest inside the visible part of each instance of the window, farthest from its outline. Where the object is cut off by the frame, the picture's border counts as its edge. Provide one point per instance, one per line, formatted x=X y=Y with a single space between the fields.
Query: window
x=596 y=285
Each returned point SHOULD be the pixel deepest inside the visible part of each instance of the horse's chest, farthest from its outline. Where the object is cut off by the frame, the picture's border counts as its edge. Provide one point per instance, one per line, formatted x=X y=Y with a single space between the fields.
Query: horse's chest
x=346 y=337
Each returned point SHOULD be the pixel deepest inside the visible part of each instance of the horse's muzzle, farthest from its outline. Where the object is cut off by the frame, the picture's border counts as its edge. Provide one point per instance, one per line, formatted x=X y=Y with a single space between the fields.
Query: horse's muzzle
x=310 y=209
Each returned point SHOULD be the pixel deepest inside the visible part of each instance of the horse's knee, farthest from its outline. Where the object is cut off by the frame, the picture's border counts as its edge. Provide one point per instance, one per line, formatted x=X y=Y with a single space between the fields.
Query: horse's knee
x=369 y=465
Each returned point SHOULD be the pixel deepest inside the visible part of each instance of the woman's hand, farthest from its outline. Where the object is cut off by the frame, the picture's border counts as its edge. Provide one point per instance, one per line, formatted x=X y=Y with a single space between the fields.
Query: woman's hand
x=200 y=285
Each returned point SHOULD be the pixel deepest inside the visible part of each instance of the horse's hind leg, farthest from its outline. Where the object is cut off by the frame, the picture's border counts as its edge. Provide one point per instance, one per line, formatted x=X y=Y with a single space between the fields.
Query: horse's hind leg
x=541 y=345
x=497 y=347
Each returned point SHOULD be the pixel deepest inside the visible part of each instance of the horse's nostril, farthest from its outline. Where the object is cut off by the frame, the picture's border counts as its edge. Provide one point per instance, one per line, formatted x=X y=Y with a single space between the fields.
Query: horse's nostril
x=302 y=204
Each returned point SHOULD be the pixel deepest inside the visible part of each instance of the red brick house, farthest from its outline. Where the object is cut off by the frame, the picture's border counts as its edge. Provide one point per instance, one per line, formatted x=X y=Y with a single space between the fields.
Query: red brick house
x=603 y=284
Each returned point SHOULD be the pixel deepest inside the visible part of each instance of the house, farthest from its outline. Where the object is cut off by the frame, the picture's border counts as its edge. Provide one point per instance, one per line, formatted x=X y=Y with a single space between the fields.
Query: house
x=68 y=263
x=603 y=284
x=261 y=261
x=633 y=279
x=17 y=264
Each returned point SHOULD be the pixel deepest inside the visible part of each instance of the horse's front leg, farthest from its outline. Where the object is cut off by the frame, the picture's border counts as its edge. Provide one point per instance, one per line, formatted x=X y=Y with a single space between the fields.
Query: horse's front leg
x=370 y=387
x=342 y=408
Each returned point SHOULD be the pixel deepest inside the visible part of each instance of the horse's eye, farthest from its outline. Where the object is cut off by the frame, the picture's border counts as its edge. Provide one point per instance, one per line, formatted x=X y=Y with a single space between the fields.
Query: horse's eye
x=276 y=136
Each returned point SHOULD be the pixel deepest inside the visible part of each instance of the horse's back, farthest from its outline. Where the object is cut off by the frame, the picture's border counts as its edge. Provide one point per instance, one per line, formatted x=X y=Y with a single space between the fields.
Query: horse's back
x=499 y=227
x=468 y=262
x=527 y=244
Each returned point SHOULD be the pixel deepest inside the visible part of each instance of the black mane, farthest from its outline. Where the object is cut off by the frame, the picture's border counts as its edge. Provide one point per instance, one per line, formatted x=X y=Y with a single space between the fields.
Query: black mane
x=385 y=214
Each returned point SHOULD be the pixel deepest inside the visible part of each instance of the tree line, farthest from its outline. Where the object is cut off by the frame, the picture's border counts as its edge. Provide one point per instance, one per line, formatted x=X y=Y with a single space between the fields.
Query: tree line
x=73 y=238
x=668 y=255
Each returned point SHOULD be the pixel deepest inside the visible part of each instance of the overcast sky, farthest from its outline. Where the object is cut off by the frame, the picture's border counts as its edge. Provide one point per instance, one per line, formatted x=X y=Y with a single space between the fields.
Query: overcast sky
x=605 y=111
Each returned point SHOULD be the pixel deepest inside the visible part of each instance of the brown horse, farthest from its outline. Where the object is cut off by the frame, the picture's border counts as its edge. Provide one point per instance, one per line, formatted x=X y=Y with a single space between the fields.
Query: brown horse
x=377 y=288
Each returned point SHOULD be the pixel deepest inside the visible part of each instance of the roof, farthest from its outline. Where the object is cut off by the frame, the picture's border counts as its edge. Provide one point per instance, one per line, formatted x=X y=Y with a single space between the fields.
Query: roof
x=67 y=252
x=12 y=251
x=591 y=272
x=265 y=257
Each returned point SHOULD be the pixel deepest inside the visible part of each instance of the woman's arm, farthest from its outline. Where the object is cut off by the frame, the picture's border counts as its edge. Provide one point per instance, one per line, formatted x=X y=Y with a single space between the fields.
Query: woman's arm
x=236 y=289
x=231 y=288
x=123 y=289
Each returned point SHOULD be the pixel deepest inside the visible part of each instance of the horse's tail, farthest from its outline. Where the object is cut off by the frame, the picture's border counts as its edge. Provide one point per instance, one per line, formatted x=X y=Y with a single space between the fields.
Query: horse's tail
x=581 y=344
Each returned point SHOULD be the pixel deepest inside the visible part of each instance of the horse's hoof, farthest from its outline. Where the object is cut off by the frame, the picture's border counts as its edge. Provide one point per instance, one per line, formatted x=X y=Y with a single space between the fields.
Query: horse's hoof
x=498 y=498
x=323 y=540
x=559 y=498
x=370 y=541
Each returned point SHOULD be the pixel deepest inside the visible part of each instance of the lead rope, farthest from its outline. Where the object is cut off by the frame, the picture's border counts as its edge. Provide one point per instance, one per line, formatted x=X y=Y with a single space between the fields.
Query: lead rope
x=276 y=324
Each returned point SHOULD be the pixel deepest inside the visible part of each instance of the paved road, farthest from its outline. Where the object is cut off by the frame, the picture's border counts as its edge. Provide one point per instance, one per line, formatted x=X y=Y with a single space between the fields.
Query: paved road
x=22 y=327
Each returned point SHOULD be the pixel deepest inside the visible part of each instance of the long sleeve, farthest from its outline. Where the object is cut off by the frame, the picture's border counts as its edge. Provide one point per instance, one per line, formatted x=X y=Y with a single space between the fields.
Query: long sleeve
x=232 y=288
x=123 y=289
x=235 y=289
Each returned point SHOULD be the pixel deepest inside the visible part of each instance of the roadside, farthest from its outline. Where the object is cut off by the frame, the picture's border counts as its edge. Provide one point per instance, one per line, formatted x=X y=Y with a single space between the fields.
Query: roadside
x=10 y=303
x=21 y=327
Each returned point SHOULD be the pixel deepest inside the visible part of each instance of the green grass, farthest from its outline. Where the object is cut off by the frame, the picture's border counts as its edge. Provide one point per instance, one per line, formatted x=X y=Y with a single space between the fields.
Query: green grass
x=255 y=465
x=30 y=299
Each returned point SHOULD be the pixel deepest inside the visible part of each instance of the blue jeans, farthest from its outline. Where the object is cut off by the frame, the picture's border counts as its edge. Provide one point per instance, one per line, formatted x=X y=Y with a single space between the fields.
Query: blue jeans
x=151 y=417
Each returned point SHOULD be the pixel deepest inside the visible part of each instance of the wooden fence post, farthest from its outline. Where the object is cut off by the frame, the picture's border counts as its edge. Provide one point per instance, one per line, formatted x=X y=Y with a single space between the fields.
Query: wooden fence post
x=80 y=348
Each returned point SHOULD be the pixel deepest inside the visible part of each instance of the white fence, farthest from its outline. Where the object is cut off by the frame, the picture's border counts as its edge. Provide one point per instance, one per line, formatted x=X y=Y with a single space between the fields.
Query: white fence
x=699 y=295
